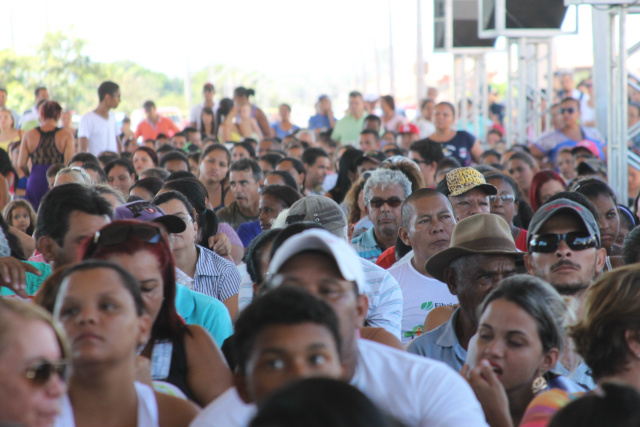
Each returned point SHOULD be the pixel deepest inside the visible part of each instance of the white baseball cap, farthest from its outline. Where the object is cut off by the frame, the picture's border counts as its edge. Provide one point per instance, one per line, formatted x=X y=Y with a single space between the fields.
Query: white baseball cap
x=342 y=253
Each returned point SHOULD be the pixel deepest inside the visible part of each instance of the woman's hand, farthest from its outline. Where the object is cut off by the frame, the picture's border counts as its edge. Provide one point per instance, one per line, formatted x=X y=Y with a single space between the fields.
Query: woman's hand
x=220 y=244
x=490 y=393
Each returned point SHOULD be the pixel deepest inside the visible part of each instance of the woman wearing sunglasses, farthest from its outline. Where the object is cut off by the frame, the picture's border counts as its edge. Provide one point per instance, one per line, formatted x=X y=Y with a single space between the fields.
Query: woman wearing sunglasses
x=507 y=204
x=519 y=340
x=101 y=309
x=32 y=365
x=182 y=355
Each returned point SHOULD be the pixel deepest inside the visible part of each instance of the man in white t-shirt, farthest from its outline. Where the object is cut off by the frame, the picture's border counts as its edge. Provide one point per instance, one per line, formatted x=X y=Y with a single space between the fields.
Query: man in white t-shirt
x=416 y=391
x=98 y=130
x=427 y=224
x=195 y=118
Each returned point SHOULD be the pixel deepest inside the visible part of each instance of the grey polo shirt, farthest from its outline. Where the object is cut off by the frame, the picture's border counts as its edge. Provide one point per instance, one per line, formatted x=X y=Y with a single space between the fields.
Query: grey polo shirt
x=441 y=344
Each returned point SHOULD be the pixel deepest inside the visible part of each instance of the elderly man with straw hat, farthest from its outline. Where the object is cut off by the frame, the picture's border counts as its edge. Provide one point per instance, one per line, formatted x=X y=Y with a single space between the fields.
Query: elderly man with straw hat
x=482 y=253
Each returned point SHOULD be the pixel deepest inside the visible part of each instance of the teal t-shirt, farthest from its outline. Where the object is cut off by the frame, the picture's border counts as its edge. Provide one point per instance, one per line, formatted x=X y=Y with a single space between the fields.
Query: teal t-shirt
x=33 y=282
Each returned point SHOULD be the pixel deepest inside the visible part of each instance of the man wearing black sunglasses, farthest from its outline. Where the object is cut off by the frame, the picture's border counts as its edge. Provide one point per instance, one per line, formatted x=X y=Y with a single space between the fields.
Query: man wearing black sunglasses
x=564 y=249
x=564 y=246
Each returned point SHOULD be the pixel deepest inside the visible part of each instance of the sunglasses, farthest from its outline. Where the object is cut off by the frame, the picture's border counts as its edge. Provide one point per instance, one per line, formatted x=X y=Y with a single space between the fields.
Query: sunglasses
x=505 y=198
x=41 y=373
x=548 y=243
x=118 y=234
x=569 y=110
x=393 y=202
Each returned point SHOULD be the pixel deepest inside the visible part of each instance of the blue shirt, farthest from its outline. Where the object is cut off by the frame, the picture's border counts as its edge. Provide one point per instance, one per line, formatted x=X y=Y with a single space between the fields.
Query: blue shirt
x=441 y=344
x=319 y=121
x=215 y=276
x=199 y=309
x=248 y=231
x=281 y=133
x=366 y=246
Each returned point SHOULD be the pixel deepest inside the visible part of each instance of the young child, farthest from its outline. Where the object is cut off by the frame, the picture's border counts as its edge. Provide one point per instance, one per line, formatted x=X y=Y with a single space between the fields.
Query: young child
x=21 y=215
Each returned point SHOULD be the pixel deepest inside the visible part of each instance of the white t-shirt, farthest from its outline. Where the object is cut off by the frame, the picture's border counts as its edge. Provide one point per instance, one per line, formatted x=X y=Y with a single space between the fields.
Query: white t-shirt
x=420 y=294
x=417 y=391
x=196 y=114
x=227 y=410
x=101 y=133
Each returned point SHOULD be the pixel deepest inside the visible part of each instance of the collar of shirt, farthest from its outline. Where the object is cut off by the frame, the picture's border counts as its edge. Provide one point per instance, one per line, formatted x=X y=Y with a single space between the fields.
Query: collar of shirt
x=448 y=337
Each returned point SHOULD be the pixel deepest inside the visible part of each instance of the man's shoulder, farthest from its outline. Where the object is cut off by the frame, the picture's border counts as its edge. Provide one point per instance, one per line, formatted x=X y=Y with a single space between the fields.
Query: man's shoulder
x=425 y=342
x=227 y=410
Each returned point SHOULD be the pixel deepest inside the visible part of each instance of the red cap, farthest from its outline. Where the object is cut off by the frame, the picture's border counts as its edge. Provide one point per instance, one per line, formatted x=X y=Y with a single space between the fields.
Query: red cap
x=408 y=128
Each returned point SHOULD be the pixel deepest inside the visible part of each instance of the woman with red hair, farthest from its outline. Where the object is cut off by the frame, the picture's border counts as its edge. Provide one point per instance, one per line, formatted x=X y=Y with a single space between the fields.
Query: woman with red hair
x=545 y=184
x=183 y=355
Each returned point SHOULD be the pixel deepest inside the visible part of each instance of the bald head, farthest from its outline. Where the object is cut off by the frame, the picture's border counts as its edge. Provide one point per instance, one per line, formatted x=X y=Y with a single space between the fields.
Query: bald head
x=408 y=207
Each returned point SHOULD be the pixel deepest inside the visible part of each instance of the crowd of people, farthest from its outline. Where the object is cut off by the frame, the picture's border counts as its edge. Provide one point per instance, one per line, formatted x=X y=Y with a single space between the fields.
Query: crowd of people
x=364 y=271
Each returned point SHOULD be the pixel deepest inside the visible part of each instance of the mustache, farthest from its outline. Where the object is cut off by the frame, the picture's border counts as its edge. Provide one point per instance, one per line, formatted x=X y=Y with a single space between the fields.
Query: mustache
x=565 y=262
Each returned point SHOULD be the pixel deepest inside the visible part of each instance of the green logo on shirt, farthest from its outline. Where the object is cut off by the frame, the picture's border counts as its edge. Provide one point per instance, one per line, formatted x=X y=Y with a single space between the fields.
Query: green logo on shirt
x=426 y=306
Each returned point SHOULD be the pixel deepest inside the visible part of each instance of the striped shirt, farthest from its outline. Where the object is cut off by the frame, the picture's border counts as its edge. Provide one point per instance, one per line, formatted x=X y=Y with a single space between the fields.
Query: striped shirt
x=366 y=246
x=215 y=276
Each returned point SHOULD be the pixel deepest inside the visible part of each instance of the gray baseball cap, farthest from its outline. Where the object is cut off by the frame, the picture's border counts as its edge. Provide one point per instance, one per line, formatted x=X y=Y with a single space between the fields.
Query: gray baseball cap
x=555 y=207
x=320 y=210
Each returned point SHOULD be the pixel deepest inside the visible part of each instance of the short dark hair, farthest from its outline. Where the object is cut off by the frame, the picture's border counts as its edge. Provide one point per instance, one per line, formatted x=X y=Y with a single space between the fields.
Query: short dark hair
x=174 y=155
x=373 y=117
x=355 y=94
x=182 y=134
x=282 y=306
x=389 y=100
x=320 y=402
x=592 y=188
x=107 y=157
x=130 y=283
x=177 y=175
x=271 y=158
x=58 y=204
x=430 y=151
x=247 y=146
x=244 y=165
x=311 y=155
x=151 y=153
x=107 y=88
x=286 y=176
x=151 y=184
x=120 y=162
x=283 y=192
x=38 y=89
x=253 y=254
x=51 y=110
x=148 y=104
x=83 y=157
x=491 y=152
x=421 y=193
x=371 y=132
x=297 y=164
x=95 y=166
x=165 y=148
x=631 y=247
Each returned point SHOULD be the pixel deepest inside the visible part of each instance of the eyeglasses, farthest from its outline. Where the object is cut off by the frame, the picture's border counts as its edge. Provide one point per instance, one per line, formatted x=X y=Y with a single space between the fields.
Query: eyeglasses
x=548 y=243
x=393 y=202
x=41 y=373
x=504 y=198
x=118 y=234
x=569 y=110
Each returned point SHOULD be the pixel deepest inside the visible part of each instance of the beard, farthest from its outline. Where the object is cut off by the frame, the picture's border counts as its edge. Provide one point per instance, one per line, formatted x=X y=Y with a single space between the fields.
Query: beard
x=570 y=289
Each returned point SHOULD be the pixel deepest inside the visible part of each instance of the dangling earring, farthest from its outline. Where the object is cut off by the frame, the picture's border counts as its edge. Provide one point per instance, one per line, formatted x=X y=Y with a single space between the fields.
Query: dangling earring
x=539 y=384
